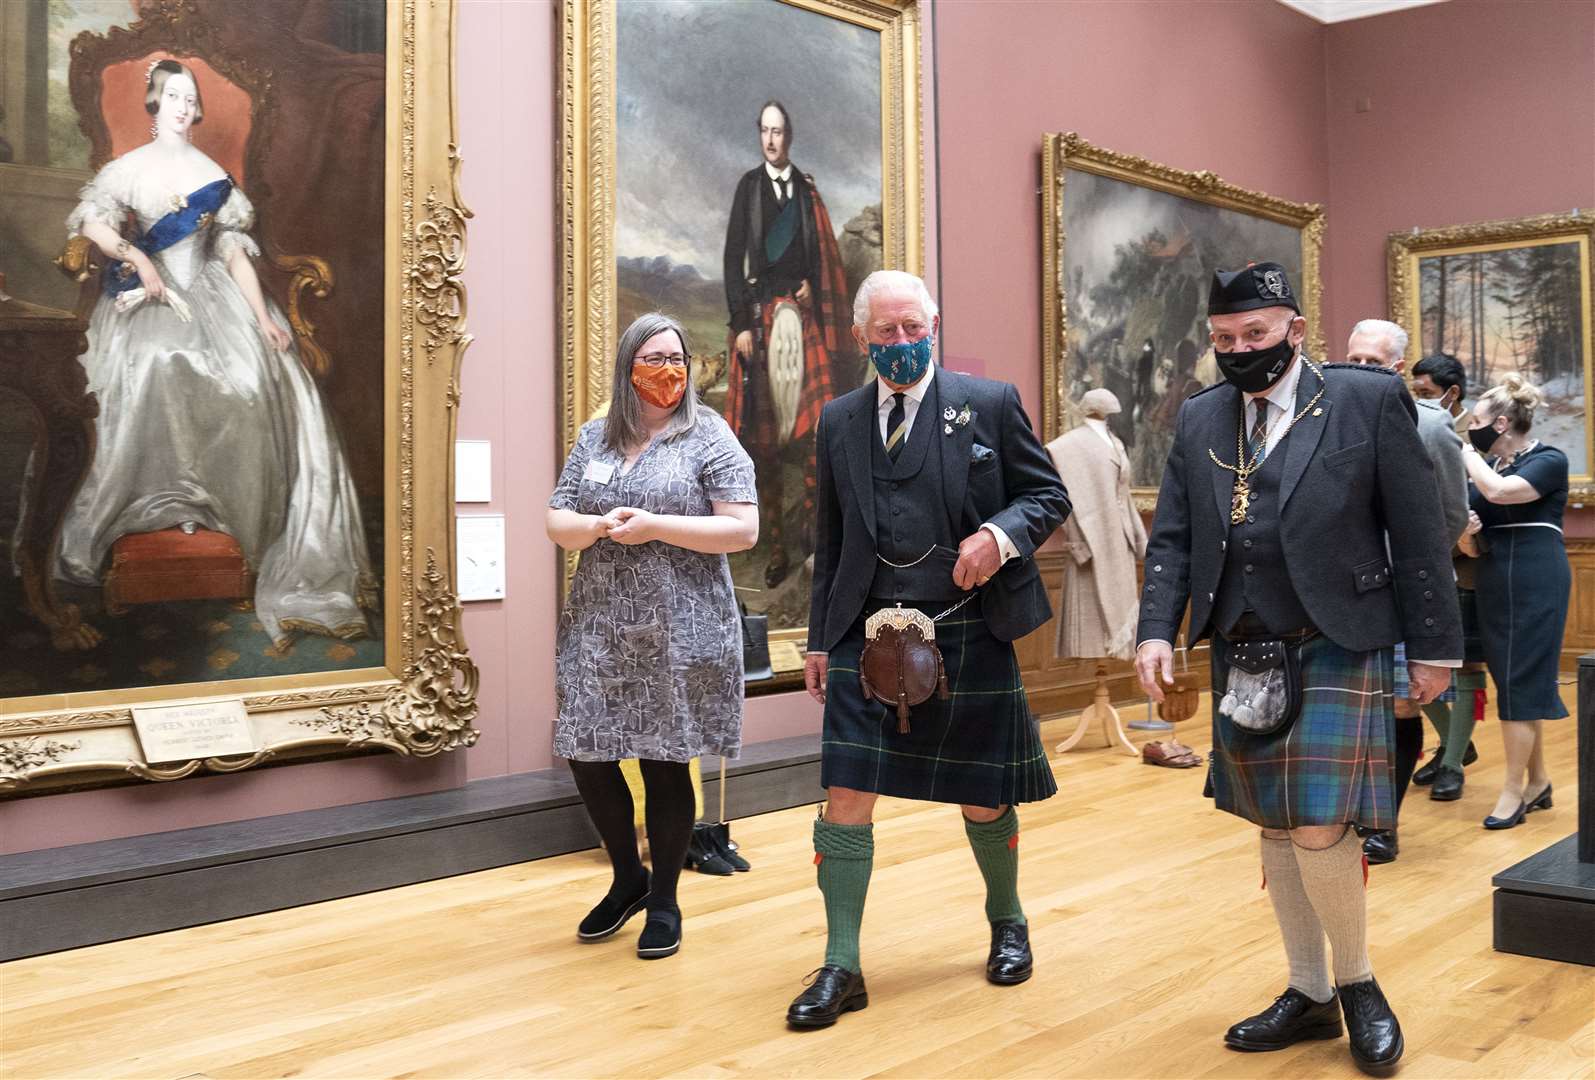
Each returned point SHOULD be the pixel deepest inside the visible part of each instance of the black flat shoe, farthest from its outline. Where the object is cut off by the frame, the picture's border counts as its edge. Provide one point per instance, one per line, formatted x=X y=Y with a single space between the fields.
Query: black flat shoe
x=1374 y=1032
x=1292 y=1018
x=1542 y=801
x=1493 y=822
x=612 y=912
x=1009 y=962
x=1470 y=755
x=1425 y=776
x=835 y=990
x=719 y=835
x=661 y=934
x=1447 y=785
x=1381 y=846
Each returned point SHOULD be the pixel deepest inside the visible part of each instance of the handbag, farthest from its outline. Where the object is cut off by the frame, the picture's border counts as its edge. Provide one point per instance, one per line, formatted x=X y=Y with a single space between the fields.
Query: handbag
x=901 y=665
x=755 y=646
x=1262 y=683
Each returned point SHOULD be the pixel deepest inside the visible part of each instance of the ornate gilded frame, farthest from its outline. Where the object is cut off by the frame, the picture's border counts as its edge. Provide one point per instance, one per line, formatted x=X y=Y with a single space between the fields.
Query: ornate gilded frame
x=1062 y=152
x=1404 y=250
x=423 y=701
x=588 y=330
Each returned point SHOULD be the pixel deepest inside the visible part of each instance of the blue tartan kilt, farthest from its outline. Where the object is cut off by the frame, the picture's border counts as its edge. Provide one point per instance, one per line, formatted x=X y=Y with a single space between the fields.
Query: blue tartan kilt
x=1330 y=767
x=1403 y=688
x=980 y=747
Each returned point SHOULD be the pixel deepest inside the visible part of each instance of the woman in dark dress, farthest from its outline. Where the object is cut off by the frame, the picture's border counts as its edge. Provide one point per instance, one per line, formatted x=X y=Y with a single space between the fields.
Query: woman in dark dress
x=1523 y=581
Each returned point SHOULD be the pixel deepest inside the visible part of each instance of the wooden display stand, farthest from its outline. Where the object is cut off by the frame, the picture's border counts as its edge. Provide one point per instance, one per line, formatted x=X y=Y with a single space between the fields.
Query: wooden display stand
x=1101 y=710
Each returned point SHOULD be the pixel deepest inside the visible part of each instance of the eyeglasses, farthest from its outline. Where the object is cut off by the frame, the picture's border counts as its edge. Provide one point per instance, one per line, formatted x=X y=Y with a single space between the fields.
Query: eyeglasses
x=661 y=359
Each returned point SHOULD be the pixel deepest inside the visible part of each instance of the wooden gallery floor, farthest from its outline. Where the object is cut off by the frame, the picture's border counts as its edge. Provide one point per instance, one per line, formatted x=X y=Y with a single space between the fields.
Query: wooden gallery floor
x=1150 y=931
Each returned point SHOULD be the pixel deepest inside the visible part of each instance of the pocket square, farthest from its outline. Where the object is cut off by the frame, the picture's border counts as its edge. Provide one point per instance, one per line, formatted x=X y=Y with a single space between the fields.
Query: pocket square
x=978 y=454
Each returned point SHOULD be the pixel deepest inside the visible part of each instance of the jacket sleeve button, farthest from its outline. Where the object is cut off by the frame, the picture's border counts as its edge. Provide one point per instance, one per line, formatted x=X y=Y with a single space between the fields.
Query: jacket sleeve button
x=1428 y=622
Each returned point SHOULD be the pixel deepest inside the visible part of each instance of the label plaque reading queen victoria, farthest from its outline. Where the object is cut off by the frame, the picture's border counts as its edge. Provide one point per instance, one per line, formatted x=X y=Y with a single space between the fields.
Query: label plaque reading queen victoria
x=198 y=729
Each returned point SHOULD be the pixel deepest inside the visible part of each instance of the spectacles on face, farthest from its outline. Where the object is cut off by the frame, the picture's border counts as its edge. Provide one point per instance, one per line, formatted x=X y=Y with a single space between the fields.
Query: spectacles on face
x=661 y=359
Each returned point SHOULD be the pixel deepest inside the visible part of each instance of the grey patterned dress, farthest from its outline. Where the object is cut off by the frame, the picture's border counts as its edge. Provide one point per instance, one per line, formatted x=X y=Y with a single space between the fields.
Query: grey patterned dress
x=649 y=657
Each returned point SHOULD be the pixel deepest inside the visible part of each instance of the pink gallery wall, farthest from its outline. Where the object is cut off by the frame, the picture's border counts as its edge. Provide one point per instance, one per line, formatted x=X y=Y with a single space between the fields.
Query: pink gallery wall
x=1234 y=86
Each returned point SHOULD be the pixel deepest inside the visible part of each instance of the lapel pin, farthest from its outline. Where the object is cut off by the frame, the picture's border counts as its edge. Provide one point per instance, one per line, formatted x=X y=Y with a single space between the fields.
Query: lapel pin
x=948 y=413
x=946 y=429
x=1318 y=411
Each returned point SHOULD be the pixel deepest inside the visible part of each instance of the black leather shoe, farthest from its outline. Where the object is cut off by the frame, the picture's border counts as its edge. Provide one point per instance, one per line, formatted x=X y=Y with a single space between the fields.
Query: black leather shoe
x=1292 y=1018
x=1374 y=1032
x=1493 y=822
x=702 y=854
x=1009 y=962
x=1542 y=801
x=611 y=914
x=1381 y=847
x=835 y=990
x=1470 y=755
x=719 y=836
x=1426 y=775
x=661 y=934
x=1447 y=785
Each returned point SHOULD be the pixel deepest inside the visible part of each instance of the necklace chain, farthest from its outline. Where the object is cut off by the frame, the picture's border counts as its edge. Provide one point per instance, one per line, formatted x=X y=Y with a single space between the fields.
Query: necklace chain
x=1240 y=501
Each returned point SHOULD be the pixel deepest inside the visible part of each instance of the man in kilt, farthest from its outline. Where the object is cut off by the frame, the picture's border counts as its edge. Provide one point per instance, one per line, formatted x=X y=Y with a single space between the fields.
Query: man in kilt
x=1271 y=522
x=932 y=490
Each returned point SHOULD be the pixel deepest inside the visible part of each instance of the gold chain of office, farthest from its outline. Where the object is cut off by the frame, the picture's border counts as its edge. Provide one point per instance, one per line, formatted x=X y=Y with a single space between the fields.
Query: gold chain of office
x=1241 y=499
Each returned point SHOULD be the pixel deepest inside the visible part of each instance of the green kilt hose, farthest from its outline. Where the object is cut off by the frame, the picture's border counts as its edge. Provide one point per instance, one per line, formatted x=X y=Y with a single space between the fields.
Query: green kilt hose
x=980 y=747
x=1330 y=767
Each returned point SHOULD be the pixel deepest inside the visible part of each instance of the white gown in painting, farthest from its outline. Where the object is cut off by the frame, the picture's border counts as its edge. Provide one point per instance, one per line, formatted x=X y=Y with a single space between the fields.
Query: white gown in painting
x=205 y=421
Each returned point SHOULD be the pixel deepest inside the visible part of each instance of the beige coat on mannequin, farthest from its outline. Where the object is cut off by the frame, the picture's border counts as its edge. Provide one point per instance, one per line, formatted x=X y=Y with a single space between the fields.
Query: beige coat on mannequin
x=1104 y=539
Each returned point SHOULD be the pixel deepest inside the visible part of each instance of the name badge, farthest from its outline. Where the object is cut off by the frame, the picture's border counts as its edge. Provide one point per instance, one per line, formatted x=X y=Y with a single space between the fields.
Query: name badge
x=599 y=472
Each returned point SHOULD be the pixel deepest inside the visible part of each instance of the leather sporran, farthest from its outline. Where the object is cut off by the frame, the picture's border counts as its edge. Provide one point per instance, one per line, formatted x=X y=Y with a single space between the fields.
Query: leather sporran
x=1262 y=684
x=901 y=666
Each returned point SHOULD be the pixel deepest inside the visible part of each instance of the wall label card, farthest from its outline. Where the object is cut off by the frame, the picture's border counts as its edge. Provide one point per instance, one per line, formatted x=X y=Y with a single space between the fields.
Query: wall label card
x=199 y=729
x=473 y=471
x=785 y=656
x=480 y=547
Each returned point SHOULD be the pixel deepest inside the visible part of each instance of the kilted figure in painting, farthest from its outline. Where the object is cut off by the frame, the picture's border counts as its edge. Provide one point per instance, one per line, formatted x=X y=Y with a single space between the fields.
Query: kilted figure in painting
x=1281 y=486
x=933 y=496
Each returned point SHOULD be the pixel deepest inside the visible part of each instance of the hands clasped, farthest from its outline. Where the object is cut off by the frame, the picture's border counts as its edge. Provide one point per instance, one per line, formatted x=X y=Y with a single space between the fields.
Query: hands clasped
x=627 y=525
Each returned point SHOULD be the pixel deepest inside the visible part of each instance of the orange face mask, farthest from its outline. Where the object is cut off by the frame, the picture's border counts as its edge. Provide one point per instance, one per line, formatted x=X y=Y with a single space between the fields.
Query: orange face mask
x=662 y=386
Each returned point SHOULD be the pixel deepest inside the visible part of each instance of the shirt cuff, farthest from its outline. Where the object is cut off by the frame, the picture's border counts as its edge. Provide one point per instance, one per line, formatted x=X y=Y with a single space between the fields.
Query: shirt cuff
x=1153 y=640
x=1434 y=663
x=1004 y=544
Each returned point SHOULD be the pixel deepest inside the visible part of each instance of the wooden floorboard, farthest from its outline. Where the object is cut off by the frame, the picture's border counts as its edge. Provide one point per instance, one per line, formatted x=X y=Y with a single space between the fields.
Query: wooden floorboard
x=1150 y=930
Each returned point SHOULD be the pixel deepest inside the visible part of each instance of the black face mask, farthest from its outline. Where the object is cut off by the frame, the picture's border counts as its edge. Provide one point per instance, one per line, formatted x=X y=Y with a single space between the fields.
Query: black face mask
x=1483 y=438
x=1259 y=369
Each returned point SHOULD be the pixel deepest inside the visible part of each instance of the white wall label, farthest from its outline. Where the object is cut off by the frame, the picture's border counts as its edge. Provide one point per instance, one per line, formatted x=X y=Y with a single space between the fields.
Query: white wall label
x=199 y=729
x=479 y=542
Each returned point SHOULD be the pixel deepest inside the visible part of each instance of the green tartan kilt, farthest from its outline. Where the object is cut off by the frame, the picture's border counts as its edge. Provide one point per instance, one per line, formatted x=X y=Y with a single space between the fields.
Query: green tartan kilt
x=1333 y=765
x=980 y=747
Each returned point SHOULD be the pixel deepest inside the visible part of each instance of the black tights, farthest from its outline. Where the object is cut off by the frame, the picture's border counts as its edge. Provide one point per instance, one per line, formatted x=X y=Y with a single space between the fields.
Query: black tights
x=1409 y=746
x=670 y=809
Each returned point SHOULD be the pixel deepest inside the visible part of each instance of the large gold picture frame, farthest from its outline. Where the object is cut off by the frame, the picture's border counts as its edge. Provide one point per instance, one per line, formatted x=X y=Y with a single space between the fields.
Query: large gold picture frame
x=422 y=701
x=589 y=298
x=1479 y=250
x=1065 y=153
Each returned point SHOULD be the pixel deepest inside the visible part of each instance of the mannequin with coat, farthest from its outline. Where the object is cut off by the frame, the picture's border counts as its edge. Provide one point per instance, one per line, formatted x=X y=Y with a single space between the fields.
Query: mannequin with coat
x=1104 y=537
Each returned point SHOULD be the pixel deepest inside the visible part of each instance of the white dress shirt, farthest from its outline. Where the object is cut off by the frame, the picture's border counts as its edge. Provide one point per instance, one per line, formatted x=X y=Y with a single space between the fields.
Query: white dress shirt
x=1282 y=400
x=913 y=396
x=780 y=180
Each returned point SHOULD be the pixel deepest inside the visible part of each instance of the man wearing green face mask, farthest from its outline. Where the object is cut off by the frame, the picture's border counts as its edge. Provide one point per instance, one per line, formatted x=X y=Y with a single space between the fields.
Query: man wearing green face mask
x=1271 y=526
x=933 y=496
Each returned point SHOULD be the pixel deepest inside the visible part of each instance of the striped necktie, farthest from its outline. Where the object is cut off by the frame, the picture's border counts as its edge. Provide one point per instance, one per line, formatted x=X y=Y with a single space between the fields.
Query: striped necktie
x=897 y=427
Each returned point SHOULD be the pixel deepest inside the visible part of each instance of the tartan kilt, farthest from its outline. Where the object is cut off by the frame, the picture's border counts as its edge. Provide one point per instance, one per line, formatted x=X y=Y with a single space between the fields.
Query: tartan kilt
x=1404 y=679
x=980 y=747
x=1332 y=766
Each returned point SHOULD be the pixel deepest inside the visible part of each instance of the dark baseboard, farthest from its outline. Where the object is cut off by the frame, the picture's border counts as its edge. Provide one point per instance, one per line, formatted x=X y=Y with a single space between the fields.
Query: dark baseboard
x=1545 y=906
x=86 y=894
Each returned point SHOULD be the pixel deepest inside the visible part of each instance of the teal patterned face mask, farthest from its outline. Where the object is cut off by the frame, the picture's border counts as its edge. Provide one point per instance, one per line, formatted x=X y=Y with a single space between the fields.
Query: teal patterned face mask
x=902 y=364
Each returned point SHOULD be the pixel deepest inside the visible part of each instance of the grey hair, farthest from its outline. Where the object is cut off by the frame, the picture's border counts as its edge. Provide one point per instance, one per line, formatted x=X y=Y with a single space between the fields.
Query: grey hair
x=1393 y=332
x=623 y=428
x=886 y=279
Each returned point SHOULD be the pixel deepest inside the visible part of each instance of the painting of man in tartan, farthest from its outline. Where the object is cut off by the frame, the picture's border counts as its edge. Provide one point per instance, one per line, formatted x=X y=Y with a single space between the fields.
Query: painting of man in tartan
x=932 y=495
x=1305 y=555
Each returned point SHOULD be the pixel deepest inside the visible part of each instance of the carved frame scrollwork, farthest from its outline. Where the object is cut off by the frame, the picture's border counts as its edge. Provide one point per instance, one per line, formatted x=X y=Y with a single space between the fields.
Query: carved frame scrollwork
x=1062 y=152
x=1404 y=251
x=424 y=700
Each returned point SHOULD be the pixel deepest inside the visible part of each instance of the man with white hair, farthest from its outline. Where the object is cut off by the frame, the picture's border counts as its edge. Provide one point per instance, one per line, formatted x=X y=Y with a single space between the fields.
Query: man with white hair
x=1384 y=344
x=933 y=496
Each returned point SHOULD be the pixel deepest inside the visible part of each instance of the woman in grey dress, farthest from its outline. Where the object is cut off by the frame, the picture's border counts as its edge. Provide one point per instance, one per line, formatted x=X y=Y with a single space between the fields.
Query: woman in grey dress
x=649 y=654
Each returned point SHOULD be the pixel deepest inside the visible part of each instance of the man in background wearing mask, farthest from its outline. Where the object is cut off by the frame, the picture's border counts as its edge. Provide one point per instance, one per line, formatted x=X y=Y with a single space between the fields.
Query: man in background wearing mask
x=933 y=494
x=1442 y=380
x=1271 y=523
x=1384 y=344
